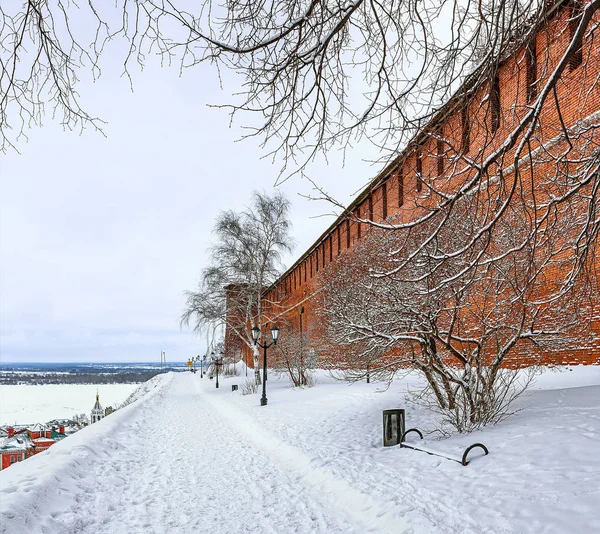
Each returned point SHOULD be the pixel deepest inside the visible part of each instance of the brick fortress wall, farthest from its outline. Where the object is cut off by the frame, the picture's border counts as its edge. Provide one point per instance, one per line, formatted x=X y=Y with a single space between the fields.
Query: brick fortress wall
x=475 y=126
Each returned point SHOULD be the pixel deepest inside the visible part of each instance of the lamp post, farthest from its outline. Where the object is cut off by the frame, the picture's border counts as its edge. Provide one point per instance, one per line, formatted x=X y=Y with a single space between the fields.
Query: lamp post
x=212 y=359
x=217 y=361
x=264 y=346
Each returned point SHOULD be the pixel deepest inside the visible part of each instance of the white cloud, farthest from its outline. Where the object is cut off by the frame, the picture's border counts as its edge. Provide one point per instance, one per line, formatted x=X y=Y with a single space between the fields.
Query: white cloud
x=99 y=236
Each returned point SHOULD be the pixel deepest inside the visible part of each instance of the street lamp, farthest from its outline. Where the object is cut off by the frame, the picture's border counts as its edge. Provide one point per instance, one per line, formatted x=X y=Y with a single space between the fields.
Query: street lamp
x=217 y=361
x=265 y=346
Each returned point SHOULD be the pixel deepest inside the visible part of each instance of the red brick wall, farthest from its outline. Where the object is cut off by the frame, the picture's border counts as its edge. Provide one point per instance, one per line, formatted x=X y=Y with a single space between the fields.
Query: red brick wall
x=579 y=97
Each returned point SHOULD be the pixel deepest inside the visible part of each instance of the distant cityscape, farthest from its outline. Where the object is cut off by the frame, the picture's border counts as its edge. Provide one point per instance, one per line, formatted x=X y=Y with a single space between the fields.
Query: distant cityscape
x=82 y=373
x=19 y=442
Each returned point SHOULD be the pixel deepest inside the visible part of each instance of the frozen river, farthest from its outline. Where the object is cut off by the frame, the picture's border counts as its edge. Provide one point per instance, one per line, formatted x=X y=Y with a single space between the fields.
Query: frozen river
x=25 y=404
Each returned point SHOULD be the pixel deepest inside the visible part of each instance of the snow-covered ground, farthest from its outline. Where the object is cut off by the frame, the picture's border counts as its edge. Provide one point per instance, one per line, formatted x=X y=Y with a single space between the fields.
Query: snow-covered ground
x=25 y=404
x=187 y=457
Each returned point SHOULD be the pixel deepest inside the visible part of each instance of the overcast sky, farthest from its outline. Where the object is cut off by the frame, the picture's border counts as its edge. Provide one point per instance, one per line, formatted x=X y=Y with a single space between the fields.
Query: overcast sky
x=100 y=236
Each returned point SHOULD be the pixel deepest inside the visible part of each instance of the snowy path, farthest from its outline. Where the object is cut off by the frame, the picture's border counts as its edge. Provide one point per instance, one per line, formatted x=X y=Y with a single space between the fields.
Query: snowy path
x=178 y=465
x=187 y=457
x=189 y=473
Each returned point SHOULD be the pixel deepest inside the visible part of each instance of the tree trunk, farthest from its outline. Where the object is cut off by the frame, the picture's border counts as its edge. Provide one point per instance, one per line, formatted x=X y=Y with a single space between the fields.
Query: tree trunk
x=256 y=369
x=434 y=387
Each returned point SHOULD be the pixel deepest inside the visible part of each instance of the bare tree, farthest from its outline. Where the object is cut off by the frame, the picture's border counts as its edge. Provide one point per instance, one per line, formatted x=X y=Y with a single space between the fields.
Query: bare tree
x=325 y=73
x=228 y=358
x=469 y=338
x=320 y=73
x=295 y=356
x=513 y=168
x=244 y=262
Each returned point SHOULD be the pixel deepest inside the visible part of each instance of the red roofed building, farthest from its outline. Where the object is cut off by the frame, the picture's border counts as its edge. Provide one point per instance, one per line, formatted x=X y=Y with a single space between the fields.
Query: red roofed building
x=14 y=448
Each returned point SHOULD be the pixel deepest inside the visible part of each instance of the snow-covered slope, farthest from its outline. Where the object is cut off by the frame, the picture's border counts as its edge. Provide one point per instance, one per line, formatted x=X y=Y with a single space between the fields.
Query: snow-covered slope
x=186 y=457
x=543 y=463
x=45 y=493
x=144 y=389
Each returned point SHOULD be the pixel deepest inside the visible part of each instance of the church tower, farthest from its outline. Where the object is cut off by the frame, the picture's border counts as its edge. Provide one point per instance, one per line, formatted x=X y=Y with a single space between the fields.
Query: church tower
x=97 y=411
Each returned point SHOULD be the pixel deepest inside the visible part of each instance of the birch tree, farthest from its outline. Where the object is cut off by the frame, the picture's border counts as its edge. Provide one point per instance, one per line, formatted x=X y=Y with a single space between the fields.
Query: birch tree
x=244 y=261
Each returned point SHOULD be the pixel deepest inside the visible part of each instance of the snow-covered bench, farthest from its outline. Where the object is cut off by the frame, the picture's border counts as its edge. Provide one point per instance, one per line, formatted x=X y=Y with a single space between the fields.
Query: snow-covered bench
x=424 y=448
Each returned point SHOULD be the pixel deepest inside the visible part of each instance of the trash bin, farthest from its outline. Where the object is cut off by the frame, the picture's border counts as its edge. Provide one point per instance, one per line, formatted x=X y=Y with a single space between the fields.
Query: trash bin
x=393 y=427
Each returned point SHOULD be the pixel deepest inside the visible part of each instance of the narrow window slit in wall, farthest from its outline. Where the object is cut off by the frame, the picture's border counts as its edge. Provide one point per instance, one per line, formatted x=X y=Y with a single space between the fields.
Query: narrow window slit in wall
x=466 y=128
x=576 y=58
x=384 y=213
x=531 y=73
x=419 y=171
x=347 y=233
x=400 y=187
x=495 y=104
x=440 y=152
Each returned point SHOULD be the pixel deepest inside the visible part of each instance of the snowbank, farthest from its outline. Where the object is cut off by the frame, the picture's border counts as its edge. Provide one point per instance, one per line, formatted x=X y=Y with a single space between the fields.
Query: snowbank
x=144 y=389
x=187 y=457
x=543 y=462
x=44 y=486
